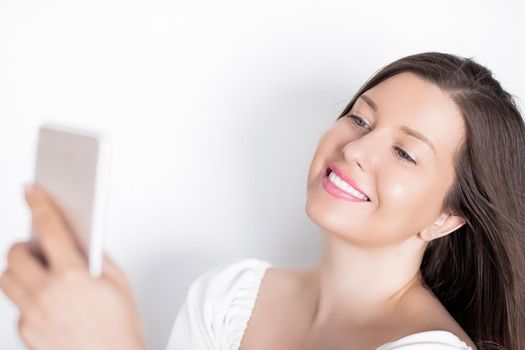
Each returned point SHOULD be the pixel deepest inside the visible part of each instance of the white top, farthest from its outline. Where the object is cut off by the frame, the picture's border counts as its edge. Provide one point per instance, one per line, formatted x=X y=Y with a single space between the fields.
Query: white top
x=219 y=304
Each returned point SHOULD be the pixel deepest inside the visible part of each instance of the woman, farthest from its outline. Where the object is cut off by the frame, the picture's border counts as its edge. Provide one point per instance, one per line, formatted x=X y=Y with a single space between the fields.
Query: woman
x=418 y=189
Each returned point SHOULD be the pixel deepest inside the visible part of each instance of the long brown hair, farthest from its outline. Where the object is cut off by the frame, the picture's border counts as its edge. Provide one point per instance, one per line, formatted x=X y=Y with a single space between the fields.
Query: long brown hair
x=477 y=272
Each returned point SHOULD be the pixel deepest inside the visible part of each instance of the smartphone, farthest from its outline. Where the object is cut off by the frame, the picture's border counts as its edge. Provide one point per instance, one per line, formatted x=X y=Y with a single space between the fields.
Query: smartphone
x=72 y=165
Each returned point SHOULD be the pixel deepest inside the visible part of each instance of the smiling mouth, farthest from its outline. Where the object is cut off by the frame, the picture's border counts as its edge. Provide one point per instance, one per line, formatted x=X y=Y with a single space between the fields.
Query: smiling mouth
x=327 y=174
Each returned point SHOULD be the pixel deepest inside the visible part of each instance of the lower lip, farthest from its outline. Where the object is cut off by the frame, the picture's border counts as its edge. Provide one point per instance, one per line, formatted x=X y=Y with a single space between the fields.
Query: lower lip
x=337 y=192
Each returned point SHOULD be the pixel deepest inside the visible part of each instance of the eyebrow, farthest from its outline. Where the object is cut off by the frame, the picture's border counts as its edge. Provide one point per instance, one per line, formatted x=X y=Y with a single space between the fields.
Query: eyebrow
x=404 y=128
x=369 y=101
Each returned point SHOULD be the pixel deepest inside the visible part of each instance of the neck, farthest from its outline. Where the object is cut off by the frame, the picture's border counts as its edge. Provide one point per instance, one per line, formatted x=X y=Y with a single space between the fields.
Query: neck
x=360 y=285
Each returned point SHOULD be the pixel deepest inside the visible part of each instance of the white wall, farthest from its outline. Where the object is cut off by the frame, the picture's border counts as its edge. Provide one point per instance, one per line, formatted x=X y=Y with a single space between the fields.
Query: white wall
x=215 y=109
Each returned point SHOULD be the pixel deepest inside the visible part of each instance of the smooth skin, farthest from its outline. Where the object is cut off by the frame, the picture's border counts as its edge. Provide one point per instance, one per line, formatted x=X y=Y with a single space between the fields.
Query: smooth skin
x=62 y=307
x=367 y=289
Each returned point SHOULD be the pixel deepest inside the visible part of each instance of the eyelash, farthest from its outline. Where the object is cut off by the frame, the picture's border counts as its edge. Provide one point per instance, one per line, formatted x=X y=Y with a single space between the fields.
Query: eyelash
x=409 y=159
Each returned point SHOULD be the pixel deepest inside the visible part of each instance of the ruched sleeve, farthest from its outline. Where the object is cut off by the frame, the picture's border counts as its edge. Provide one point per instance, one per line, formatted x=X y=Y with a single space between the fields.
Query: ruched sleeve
x=218 y=306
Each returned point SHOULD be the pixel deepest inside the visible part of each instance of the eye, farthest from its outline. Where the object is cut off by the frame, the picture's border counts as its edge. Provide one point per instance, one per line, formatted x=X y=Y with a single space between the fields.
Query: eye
x=400 y=153
x=357 y=121
x=406 y=158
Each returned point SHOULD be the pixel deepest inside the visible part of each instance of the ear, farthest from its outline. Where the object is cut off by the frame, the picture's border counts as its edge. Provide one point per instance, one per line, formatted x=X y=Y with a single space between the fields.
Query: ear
x=443 y=225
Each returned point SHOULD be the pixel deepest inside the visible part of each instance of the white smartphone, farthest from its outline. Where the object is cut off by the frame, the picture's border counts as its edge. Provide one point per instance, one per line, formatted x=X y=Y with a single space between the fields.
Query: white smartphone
x=72 y=165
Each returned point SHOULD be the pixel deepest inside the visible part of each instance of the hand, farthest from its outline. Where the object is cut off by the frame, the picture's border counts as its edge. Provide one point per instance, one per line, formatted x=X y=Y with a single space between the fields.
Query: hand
x=62 y=307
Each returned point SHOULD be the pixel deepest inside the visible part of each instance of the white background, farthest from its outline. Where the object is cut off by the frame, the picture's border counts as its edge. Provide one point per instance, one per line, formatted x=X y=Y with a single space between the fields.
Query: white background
x=214 y=109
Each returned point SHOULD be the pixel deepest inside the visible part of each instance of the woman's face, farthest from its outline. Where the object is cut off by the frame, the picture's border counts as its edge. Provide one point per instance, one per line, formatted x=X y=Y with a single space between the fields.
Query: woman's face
x=405 y=178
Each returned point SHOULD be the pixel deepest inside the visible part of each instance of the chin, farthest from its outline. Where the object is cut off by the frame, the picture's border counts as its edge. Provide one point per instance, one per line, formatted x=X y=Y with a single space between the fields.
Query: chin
x=329 y=223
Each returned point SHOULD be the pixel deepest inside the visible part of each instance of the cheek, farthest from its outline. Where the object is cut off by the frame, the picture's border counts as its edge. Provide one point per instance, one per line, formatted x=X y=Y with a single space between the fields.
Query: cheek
x=325 y=152
x=398 y=189
x=406 y=203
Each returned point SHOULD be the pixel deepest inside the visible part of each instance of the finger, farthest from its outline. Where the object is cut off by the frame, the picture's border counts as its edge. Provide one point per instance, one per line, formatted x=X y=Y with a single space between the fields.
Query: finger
x=27 y=335
x=14 y=290
x=53 y=233
x=25 y=266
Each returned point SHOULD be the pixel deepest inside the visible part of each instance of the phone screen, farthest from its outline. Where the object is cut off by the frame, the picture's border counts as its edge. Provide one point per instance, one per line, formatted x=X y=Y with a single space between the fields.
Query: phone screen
x=72 y=166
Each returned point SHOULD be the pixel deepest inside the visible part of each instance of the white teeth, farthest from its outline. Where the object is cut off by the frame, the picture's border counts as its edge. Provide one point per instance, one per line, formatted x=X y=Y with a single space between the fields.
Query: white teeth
x=341 y=184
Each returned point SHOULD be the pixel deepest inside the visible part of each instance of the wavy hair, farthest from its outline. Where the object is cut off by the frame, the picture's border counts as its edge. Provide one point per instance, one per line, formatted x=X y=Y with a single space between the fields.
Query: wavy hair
x=477 y=271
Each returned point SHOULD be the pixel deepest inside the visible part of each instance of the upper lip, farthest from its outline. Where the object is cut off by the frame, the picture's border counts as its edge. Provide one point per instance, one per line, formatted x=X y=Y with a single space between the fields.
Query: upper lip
x=346 y=178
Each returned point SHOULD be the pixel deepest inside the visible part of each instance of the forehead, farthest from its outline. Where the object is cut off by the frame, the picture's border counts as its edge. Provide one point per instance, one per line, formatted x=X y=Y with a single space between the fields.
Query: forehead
x=405 y=99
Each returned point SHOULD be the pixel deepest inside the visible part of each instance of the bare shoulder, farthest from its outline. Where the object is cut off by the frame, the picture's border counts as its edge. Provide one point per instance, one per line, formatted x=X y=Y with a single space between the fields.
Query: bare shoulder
x=268 y=329
x=285 y=282
x=286 y=290
x=423 y=311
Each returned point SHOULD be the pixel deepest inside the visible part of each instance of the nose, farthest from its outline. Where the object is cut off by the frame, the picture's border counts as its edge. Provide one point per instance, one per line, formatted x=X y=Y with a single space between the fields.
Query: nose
x=363 y=151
